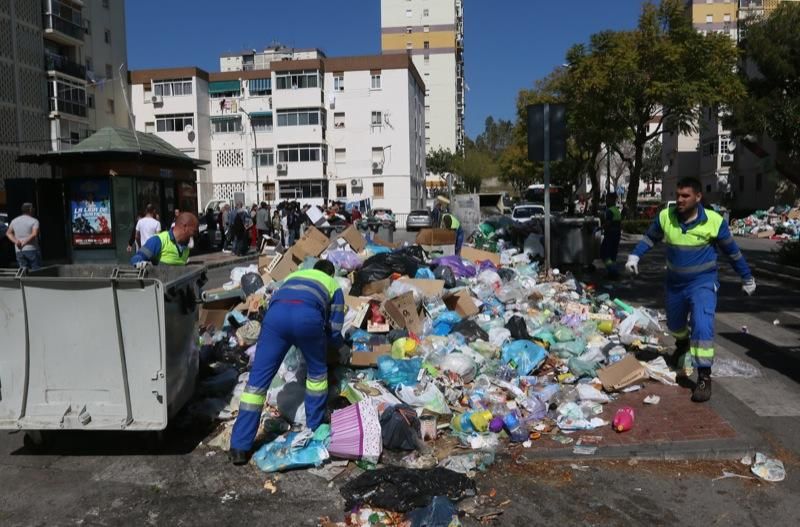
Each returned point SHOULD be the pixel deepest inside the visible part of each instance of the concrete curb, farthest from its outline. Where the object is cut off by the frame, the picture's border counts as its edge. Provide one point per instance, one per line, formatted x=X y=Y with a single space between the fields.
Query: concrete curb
x=224 y=263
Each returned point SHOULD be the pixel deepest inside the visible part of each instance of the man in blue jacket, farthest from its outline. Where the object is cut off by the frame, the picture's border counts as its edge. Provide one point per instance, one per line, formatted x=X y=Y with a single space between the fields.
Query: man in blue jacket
x=307 y=311
x=693 y=234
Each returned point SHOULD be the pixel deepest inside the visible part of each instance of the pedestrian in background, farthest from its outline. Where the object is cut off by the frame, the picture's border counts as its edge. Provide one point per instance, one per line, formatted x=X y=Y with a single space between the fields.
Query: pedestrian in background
x=262 y=224
x=23 y=232
x=612 y=233
x=148 y=226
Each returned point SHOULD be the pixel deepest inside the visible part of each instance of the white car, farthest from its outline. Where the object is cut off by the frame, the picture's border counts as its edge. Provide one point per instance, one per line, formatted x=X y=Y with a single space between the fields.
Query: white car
x=524 y=213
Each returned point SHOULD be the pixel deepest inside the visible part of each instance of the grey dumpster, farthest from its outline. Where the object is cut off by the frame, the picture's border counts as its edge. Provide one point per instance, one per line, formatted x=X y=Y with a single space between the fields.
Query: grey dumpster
x=386 y=230
x=575 y=240
x=93 y=347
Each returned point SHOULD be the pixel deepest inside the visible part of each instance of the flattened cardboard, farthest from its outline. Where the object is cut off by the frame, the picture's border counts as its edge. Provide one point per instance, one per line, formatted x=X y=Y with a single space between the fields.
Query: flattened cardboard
x=429 y=288
x=214 y=313
x=369 y=359
x=313 y=243
x=282 y=267
x=354 y=238
x=622 y=374
x=355 y=302
x=462 y=303
x=402 y=310
x=264 y=263
x=436 y=237
x=476 y=255
x=375 y=288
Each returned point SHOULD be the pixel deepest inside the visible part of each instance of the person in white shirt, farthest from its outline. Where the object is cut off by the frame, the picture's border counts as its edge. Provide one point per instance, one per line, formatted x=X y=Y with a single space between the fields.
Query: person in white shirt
x=148 y=226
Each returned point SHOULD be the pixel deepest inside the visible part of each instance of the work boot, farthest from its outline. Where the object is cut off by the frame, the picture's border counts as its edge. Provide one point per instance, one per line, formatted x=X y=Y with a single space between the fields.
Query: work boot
x=238 y=457
x=702 y=390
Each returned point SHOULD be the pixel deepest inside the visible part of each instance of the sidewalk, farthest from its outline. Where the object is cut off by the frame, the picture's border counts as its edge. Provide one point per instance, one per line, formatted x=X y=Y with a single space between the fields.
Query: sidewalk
x=220 y=259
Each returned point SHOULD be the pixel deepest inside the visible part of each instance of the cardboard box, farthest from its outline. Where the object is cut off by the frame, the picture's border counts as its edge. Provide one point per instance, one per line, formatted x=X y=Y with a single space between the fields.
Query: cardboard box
x=369 y=359
x=436 y=237
x=429 y=288
x=476 y=255
x=402 y=310
x=354 y=238
x=375 y=288
x=313 y=243
x=765 y=234
x=214 y=313
x=264 y=262
x=355 y=302
x=377 y=240
x=622 y=374
x=462 y=303
x=282 y=267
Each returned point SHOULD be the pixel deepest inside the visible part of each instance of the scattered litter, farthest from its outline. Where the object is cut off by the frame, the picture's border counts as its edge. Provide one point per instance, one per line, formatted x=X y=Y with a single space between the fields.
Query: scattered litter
x=584 y=450
x=652 y=399
x=727 y=367
x=726 y=475
x=746 y=460
x=580 y=468
x=229 y=496
x=768 y=469
x=270 y=486
x=776 y=322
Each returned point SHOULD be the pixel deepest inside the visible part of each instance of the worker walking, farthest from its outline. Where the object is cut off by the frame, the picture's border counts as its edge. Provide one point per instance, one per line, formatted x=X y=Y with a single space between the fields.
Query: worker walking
x=307 y=311
x=449 y=221
x=168 y=247
x=612 y=232
x=693 y=234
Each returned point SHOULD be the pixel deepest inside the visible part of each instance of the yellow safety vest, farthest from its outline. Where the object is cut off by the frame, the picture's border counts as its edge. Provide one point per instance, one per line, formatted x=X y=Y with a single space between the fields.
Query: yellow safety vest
x=323 y=279
x=454 y=223
x=170 y=253
x=703 y=233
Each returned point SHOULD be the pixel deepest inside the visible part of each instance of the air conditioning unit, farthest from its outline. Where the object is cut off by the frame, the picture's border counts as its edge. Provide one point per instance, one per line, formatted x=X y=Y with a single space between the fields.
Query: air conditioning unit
x=377 y=165
x=356 y=183
x=157 y=99
x=727 y=158
x=282 y=167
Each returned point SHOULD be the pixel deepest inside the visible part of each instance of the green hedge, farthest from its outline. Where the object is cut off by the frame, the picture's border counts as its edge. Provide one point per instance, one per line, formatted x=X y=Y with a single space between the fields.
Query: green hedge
x=635 y=226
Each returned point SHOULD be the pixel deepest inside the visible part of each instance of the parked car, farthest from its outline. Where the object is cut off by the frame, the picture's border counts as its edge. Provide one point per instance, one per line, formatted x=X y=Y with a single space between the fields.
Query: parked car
x=419 y=219
x=526 y=212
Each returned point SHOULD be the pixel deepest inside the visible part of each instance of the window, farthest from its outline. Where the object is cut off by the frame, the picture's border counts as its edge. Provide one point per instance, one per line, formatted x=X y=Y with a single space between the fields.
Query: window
x=260 y=87
x=264 y=157
x=376 y=81
x=110 y=105
x=174 y=122
x=150 y=127
x=225 y=95
x=377 y=119
x=409 y=30
x=89 y=64
x=426 y=44
x=302 y=189
x=90 y=100
x=427 y=141
x=87 y=26
x=262 y=123
x=426 y=12
x=338 y=82
x=409 y=45
x=299 y=117
x=338 y=120
x=759 y=181
x=301 y=153
x=409 y=13
x=288 y=80
x=426 y=29
x=228 y=125
x=427 y=59
x=724 y=141
x=340 y=155
x=427 y=92
x=377 y=190
x=377 y=154
x=709 y=19
x=726 y=17
x=173 y=87
x=341 y=191
x=109 y=72
x=107 y=36
x=229 y=158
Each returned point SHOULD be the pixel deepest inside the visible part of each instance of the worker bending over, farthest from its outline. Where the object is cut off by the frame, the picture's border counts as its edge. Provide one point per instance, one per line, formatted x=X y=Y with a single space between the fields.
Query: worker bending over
x=451 y=222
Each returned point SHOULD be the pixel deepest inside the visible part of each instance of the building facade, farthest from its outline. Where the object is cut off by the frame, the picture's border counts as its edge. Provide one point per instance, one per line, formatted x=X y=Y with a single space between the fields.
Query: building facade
x=309 y=129
x=61 y=67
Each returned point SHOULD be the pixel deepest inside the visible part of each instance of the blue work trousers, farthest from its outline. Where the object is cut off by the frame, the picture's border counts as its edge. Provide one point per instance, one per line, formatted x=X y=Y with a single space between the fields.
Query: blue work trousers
x=697 y=302
x=609 y=248
x=459 y=240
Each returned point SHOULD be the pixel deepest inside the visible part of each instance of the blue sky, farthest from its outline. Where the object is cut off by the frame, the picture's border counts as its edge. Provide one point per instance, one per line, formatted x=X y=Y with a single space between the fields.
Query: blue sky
x=508 y=43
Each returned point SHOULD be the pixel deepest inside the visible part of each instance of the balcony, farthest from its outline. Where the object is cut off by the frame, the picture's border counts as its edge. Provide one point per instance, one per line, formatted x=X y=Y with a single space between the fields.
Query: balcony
x=63 y=31
x=64 y=65
x=77 y=109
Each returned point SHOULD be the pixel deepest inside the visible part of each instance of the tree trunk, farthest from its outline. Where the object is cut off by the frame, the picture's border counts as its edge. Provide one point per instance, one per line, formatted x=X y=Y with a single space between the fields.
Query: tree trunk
x=593 y=170
x=633 y=188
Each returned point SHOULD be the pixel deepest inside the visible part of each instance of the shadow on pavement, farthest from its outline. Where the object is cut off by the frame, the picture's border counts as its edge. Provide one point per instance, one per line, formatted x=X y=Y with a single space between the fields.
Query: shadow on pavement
x=781 y=359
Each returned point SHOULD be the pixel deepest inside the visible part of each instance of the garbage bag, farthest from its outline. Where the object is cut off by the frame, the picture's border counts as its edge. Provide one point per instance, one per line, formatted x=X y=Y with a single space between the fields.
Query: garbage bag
x=460 y=364
x=413 y=251
x=441 y=511
x=580 y=368
x=400 y=428
x=460 y=268
x=523 y=355
x=518 y=328
x=499 y=336
x=470 y=330
x=251 y=282
x=490 y=278
x=404 y=348
x=572 y=348
x=395 y=372
x=443 y=272
x=294 y=450
x=428 y=397
x=347 y=260
x=507 y=274
x=424 y=273
x=382 y=266
x=443 y=325
x=400 y=287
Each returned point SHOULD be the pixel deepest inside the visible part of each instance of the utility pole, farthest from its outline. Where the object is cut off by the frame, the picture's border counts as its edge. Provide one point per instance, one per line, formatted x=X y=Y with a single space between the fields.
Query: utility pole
x=255 y=160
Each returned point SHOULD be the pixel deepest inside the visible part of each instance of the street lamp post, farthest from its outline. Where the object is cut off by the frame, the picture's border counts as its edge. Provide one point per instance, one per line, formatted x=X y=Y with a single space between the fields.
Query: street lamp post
x=255 y=151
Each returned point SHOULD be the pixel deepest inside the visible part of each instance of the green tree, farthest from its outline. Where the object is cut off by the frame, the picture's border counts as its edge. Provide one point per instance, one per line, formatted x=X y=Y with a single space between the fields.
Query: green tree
x=652 y=165
x=496 y=137
x=473 y=168
x=662 y=72
x=771 y=73
x=440 y=161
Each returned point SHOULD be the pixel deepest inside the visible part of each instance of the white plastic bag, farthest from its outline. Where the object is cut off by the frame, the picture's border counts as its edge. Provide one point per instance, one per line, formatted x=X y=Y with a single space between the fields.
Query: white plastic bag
x=499 y=336
x=238 y=272
x=428 y=397
x=460 y=364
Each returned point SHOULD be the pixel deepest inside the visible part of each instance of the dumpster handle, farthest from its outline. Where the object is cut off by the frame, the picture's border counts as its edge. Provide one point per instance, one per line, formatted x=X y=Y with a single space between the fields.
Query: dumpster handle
x=21 y=272
x=121 y=343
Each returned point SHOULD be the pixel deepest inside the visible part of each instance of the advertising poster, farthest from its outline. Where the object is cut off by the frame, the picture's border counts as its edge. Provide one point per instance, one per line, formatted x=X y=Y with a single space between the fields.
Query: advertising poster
x=90 y=210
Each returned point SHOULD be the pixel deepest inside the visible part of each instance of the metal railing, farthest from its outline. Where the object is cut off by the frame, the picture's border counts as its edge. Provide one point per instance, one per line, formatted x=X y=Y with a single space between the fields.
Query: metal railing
x=64 y=65
x=66 y=27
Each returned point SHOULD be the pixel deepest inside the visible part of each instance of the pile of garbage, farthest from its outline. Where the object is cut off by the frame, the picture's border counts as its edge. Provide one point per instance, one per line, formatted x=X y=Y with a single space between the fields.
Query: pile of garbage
x=780 y=222
x=482 y=351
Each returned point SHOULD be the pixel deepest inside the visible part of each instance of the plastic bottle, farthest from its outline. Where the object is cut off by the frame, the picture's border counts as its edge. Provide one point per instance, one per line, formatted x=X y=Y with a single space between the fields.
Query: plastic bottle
x=461 y=423
x=623 y=420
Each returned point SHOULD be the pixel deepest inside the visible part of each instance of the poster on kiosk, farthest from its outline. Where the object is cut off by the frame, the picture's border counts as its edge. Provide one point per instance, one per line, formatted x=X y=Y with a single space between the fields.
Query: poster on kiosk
x=90 y=212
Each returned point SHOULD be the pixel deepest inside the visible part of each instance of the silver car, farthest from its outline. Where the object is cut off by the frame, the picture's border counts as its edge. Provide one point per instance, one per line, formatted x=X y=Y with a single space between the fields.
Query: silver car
x=525 y=213
x=419 y=219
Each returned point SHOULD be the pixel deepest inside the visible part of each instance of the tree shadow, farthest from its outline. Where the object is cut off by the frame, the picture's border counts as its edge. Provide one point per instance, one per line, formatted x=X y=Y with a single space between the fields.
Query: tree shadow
x=781 y=359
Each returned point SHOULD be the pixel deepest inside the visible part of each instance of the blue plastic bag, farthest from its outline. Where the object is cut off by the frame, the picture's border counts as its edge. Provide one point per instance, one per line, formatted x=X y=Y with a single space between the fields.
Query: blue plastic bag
x=377 y=249
x=294 y=450
x=424 y=273
x=523 y=355
x=394 y=372
x=444 y=323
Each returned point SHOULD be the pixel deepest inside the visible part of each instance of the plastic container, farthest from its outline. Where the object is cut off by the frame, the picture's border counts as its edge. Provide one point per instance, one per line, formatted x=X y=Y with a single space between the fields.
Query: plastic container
x=623 y=419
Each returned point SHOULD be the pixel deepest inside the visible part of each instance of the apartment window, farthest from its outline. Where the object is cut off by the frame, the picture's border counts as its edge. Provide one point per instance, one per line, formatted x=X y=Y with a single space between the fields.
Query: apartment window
x=260 y=87
x=264 y=157
x=723 y=145
x=341 y=191
x=107 y=36
x=109 y=72
x=426 y=29
x=376 y=81
x=262 y=123
x=302 y=189
x=87 y=27
x=377 y=190
x=338 y=82
x=89 y=100
x=409 y=13
x=225 y=95
x=173 y=87
x=89 y=64
x=338 y=120
x=709 y=19
x=426 y=12
x=150 y=127
x=377 y=119
x=409 y=45
x=409 y=30
x=726 y=17
x=110 y=105
x=377 y=154
x=427 y=59
x=301 y=153
x=288 y=80
x=759 y=181
x=228 y=125
x=427 y=141
x=174 y=122
x=427 y=92
x=299 y=117
x=340 y=155
x=426 y=44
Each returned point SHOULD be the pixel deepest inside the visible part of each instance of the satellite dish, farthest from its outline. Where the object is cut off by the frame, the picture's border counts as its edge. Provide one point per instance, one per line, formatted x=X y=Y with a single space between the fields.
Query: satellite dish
x=731 y=145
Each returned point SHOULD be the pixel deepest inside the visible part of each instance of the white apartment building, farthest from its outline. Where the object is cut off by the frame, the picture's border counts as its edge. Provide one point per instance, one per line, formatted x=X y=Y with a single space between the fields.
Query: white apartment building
x=59 y=76
x=346 y=128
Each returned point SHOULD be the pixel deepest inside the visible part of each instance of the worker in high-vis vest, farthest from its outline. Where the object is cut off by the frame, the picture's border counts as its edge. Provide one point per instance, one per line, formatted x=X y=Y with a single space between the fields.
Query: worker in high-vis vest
x=692 y=234
x=451 y=222
x=168 y=247
x=612 y=232
x=307 y=311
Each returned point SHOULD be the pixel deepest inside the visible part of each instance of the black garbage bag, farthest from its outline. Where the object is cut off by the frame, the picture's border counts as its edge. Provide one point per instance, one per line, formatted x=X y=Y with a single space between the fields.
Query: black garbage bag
x=414 y=251
x=396 y=334
x=471 y=330
x=519 y=330
x=443 y=272
x=251 y=282
x=400 y=428
x=401 y=489
x=506 y=274
x=382 y=266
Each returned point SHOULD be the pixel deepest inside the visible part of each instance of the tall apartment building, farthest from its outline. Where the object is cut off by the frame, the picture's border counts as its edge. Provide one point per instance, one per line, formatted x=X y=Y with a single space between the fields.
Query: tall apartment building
x=309 y=129
x=59 y=75
x=432 y=33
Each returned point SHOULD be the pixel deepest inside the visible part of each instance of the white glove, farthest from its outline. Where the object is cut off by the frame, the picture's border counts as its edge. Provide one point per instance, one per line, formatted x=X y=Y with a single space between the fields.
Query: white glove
x=749 y=286
x=144 y=264
x=632 y=265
